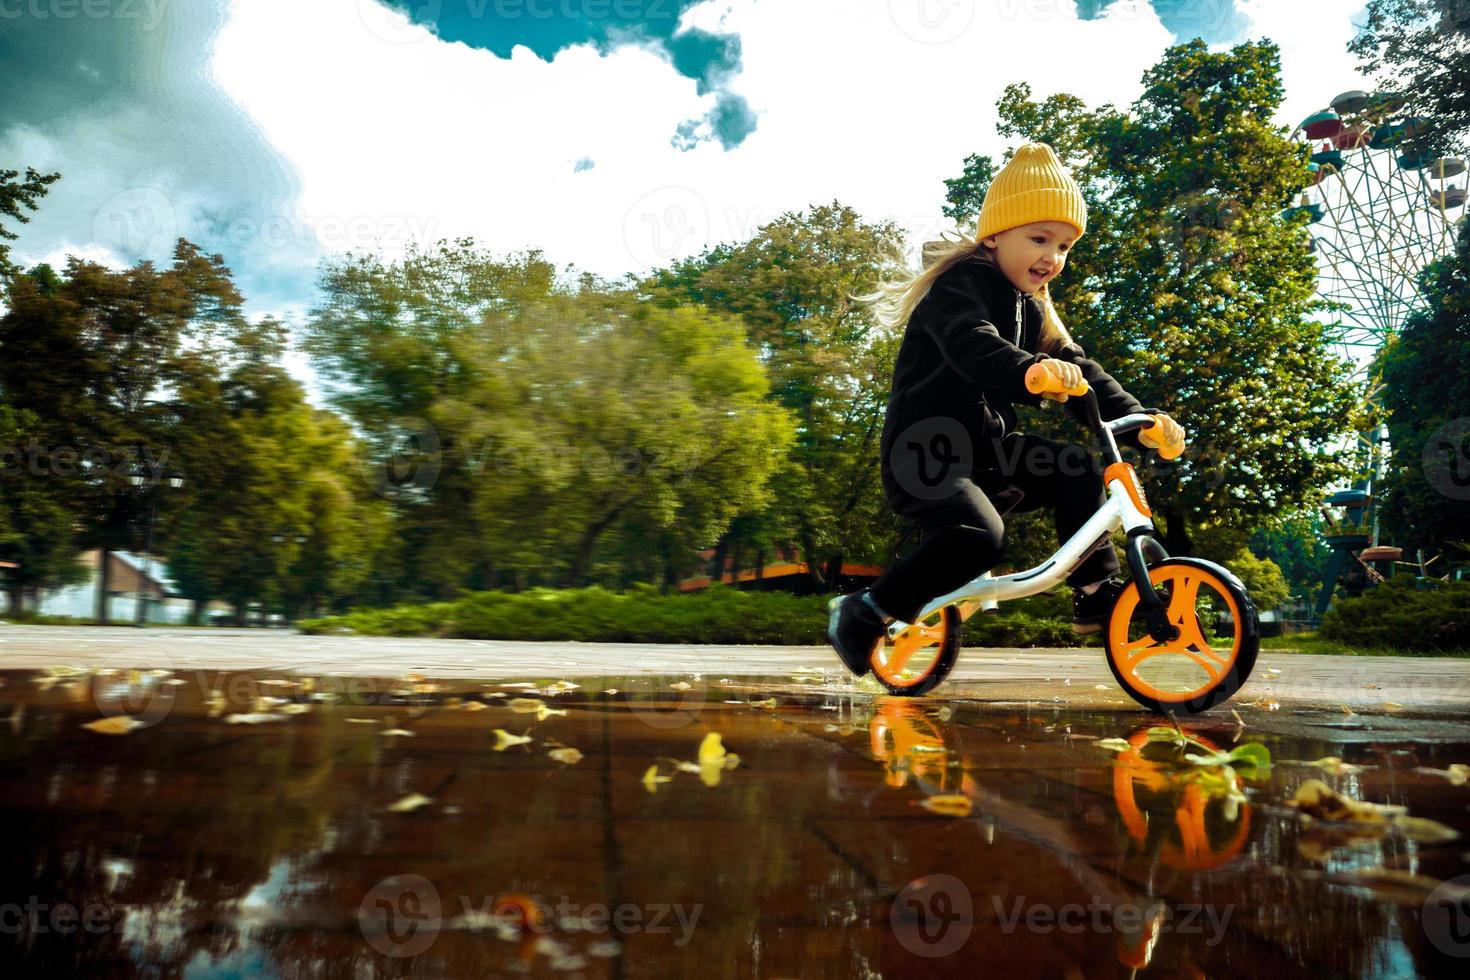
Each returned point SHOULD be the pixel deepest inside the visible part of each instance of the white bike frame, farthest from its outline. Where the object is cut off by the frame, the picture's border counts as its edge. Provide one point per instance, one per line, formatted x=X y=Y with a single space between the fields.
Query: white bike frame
x=1118 y=511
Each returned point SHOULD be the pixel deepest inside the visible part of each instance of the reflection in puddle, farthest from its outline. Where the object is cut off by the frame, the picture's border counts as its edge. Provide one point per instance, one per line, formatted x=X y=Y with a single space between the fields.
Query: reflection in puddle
x=293 y=825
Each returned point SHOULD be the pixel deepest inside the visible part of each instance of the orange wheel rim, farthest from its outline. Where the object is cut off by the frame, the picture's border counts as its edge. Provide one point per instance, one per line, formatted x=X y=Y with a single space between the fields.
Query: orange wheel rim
x=919 y=645
x=1212 y=662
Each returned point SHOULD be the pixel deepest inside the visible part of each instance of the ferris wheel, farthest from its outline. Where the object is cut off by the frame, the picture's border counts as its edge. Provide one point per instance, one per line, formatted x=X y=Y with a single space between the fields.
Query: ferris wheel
x=1380 y=208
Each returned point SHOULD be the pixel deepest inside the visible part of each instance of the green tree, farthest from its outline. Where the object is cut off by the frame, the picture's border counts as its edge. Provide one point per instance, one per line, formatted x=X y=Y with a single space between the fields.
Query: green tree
x=1191 y=289
x=1422 y=49
x=15 y=195
x=1425 y=497
x=829 y=364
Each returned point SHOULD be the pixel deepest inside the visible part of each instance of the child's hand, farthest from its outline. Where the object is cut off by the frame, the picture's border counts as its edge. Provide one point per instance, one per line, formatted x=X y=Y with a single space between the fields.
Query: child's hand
x=1165 y=435
x=1055 y=379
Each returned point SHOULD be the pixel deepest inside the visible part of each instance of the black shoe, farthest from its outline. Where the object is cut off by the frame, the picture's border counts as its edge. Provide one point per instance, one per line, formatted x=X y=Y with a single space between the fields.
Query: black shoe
x=854 y=627
x=1089 y=612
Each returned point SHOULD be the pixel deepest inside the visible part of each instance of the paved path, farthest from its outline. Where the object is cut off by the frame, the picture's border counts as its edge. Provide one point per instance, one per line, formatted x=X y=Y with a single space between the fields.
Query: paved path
x=1079 y=677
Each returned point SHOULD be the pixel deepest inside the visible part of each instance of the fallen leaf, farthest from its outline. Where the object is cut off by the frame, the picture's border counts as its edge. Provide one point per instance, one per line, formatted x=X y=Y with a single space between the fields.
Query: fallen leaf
x=567 y=756
x=410 y=803
x=1316 y=799
x=115 y=725
x=680 y=685
x=396 y=733
x=949 y=804
x=473 y=706
x=1114 y=744
x=253 y=718
x=545 y=711
x=362 y=721
x=711 y=750
x=295 y=709
x=504 y=739
x=1425 y=831
x=525 y=706
x=651 y=778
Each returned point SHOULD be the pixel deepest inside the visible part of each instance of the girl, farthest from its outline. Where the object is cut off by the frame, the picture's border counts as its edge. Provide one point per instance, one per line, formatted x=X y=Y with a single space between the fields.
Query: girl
x=978 y=318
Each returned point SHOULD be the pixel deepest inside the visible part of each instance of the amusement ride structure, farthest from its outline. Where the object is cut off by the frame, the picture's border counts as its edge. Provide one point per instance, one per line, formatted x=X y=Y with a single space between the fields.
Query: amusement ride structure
x=1381 y=207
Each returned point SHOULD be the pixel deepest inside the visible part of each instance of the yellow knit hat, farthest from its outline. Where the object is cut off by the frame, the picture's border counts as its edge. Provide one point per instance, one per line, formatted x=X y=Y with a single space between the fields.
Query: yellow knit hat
x=1034 y=186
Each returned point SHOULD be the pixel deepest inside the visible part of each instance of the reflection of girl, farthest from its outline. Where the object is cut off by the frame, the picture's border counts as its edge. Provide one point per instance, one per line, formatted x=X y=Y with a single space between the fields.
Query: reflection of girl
x=976 y=320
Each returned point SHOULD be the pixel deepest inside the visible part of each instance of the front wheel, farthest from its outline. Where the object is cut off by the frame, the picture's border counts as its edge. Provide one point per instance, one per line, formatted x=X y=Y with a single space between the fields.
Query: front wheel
x=1214 y=652
x=915 y=661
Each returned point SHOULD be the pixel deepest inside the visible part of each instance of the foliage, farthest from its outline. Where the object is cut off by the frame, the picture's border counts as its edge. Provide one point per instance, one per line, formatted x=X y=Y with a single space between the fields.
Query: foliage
x=791 y=285
x=1425 y=496
x=549 y=419
x=1262 y=579
x=719 y=614
x=16 y=195
x=1422 y=49
x=1293 y=541
x=1403 y=613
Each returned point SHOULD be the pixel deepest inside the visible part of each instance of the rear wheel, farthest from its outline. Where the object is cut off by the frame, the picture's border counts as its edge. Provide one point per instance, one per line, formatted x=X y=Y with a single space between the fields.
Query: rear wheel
x=1214 y=652
x=919 y=658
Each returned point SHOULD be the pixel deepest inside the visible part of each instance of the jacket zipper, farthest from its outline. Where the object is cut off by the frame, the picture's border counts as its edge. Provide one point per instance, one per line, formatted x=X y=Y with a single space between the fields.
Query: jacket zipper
x=1017 y=342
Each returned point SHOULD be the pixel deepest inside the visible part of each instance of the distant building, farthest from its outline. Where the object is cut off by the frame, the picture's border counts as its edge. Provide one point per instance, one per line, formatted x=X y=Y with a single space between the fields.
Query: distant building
x=126 y=582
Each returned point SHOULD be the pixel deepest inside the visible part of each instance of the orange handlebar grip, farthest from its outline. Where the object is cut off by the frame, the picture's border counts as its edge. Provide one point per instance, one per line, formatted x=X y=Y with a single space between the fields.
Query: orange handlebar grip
x=1151 y=437
x=1040 y=381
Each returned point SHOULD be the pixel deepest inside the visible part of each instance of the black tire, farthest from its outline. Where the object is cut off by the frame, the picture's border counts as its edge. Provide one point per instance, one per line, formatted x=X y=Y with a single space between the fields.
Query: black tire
x=1245 y=633
x=949 y=651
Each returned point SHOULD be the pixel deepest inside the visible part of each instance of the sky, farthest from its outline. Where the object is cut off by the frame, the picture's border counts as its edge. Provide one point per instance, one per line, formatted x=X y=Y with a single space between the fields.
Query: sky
x=614 y=135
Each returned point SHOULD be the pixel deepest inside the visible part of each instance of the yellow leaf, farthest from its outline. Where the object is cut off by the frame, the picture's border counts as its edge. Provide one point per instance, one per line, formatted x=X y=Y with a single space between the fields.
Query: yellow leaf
x=396 y=733
x=568 y=756
x=949 y=805
x=1425 y=831
x=544 y=712
x=651 y=778
x=504 y=739
x=680 y=685
x=253 y=718
x=710 y=750
x=116 y=725
x=410 y=803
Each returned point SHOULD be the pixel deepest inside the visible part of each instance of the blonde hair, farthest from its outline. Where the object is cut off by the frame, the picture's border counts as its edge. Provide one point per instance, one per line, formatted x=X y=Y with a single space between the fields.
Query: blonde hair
x=893 y=302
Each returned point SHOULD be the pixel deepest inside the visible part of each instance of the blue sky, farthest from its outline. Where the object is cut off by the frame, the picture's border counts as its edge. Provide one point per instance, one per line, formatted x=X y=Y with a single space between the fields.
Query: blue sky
x=616 y=135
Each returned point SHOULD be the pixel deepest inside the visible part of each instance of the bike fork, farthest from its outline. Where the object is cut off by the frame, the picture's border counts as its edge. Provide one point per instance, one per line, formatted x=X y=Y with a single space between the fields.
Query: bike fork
x=1154 y=613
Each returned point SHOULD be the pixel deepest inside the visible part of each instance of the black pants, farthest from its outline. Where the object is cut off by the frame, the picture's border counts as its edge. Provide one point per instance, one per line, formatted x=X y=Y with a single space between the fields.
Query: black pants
x=964 y=535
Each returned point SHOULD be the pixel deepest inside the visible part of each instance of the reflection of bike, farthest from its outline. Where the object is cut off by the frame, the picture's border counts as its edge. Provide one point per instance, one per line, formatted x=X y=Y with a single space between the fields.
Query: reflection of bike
x=1183 y=642
x=1179 y=815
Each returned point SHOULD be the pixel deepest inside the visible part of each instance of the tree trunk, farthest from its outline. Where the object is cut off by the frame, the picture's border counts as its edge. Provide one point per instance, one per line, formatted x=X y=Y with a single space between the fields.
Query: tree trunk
x=809 y=555
x=717 y=564
x=1176 y=533
x=834 y=571
x=17 y=595
x=582 y=558
x=760 y=564
x=103 y=581
x=196 y=612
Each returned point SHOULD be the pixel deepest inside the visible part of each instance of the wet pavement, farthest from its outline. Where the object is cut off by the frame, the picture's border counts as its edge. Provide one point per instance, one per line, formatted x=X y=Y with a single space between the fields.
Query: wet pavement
x=206 y=822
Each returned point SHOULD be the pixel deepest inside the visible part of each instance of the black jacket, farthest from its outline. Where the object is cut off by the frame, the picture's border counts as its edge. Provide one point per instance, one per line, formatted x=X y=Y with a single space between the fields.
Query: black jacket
x=964 y=355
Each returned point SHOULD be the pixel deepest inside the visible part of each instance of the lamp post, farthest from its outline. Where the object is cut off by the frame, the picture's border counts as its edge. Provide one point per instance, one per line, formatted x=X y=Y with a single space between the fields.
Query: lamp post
x=175 y=481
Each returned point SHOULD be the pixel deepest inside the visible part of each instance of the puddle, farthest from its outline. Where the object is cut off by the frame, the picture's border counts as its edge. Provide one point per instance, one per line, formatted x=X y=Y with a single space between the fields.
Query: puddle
x=222 y=824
